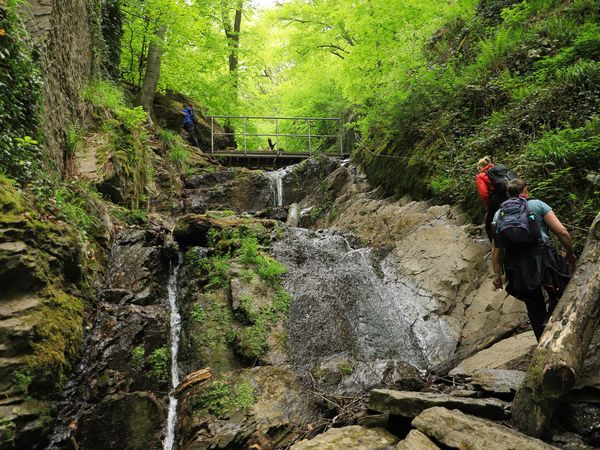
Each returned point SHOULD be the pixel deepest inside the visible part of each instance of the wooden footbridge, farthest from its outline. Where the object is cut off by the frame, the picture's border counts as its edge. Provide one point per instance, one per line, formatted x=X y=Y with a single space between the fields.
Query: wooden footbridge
x=263 y=141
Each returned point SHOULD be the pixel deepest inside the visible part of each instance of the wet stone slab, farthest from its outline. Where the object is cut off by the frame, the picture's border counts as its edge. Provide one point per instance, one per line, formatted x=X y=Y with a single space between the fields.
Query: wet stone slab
x=411 y=404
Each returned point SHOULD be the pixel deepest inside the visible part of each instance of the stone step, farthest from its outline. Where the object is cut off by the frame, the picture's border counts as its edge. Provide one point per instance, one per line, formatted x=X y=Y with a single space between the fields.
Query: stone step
x=15 y=336
x=19 y=305
x=411 y=404
x=454 y=429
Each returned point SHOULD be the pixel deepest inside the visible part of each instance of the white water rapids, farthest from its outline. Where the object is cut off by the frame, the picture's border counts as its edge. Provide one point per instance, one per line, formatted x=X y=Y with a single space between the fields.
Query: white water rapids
x=175 y=331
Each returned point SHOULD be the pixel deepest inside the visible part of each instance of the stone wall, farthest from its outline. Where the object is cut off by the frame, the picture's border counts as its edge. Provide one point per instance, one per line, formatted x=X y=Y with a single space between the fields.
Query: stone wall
x=63 y=40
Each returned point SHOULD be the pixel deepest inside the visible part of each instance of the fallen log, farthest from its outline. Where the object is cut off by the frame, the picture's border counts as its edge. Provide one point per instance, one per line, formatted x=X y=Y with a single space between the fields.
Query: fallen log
x=201 y=376
x=561 y=351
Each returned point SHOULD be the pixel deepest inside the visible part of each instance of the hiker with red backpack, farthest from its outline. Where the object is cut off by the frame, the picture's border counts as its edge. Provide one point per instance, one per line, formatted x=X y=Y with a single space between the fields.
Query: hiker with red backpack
x=522 y=246
x=491 y=184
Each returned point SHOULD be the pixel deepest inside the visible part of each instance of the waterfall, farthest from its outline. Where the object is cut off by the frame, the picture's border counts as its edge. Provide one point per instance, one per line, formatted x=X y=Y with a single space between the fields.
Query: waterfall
x=276 y=179
x=175 y=331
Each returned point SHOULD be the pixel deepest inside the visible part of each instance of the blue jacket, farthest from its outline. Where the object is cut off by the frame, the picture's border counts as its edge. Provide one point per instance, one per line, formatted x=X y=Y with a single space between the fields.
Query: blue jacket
x=190 y=116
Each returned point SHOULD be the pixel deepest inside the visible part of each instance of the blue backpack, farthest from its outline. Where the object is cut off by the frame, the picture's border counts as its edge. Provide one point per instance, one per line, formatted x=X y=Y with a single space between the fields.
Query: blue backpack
x=516 y=227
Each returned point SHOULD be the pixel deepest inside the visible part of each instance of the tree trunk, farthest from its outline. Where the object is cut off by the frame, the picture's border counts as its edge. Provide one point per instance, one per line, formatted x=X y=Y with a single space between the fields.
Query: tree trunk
x=232 y=32
x=561 y=351
x=152 y=74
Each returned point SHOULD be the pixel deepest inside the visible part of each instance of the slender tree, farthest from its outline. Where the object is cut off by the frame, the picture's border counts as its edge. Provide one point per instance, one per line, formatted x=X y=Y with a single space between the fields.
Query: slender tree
x=152 y=73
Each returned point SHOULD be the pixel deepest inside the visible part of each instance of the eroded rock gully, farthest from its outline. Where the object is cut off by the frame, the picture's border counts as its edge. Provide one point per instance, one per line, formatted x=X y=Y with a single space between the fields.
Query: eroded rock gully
x=296 y=324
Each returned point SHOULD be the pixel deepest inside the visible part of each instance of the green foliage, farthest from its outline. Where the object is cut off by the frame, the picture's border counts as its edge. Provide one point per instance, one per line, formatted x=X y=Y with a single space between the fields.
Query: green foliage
x=159 y=362
x=22 y=378
x=137 y=358
x=198 y=313
x=71 y=207
x=345 y=369
x=127 y=152
x=252 y=341
x=270 y=269
x=221 y=396
x=523 y=91
x=216 y=398
x=20 y=83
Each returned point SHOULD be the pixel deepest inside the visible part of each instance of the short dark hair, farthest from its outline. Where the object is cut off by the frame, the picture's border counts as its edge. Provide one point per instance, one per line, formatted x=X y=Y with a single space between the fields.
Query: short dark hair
x=515 y=187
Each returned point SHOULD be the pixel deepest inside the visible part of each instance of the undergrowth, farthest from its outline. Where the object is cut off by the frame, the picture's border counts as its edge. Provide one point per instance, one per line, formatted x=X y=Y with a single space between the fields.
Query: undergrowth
x=520 y=84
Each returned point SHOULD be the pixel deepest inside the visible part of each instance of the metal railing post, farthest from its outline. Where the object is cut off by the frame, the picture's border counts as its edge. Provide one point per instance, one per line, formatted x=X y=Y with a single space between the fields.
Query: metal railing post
x=212 y=134
x=309 y=138
x=341 y=139
x=245 y=148
x=277 y=136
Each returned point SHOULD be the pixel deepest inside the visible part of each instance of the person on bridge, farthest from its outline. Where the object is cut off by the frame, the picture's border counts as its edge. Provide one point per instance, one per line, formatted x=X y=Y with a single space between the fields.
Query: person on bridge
x=523 y=248
x=190 y=120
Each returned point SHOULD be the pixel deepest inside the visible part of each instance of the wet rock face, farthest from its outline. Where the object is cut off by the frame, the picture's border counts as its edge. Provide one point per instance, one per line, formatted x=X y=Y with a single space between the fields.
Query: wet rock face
x=128 y=422
x=230 y=189
x=138 y=271
x=354 y=310
x=434 y=245
x=306 y=177
x=117 y=397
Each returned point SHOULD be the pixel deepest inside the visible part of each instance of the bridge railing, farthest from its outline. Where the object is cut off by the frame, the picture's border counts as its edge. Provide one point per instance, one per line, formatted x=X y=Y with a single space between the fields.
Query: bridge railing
x=250 y=133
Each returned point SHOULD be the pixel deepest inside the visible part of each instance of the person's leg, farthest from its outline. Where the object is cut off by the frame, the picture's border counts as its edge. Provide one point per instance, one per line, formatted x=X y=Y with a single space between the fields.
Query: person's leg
x=537 y=312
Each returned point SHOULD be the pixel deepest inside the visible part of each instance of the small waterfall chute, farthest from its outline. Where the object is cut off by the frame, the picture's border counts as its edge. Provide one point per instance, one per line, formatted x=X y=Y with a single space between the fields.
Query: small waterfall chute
x=276 y=180
x=175 y=332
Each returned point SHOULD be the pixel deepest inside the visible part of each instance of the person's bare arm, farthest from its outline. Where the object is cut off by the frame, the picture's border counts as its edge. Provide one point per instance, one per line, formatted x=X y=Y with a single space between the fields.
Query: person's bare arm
x=562 y=234
x=497 y=266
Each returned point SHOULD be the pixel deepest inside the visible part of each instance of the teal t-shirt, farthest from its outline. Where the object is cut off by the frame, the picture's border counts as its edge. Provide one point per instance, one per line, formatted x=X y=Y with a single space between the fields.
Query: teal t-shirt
x=539 y=209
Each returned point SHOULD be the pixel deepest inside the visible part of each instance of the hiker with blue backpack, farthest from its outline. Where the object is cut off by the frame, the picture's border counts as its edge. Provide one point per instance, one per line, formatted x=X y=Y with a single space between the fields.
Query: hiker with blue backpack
x=190 y=120
x=535 y=272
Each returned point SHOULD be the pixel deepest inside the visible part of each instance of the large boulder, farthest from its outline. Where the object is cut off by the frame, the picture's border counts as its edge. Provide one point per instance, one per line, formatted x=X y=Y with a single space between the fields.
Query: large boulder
x=260 y=405
x=511 y=353
x=351 y=438
x=458 y=430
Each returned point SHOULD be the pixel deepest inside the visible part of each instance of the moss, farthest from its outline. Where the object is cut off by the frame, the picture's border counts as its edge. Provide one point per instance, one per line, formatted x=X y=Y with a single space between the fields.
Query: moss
x=252 y=341
x=58 y=336
x=10 y=198
x=8 y=432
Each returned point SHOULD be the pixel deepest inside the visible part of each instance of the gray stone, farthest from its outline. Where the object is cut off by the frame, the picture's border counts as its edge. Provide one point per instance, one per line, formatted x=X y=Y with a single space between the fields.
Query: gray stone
x=500 y=381
x=411 y=404
x=505 y=354
x=415 y=440
x=458 y=430
x=349 y=438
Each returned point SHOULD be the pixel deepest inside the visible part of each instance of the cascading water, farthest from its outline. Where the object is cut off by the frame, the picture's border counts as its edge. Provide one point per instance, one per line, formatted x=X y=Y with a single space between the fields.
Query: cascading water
x=276 y=178
x=175 y=331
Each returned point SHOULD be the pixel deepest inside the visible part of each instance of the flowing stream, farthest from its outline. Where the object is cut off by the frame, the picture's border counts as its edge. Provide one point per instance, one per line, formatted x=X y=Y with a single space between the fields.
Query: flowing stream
x=175 y=331
x=276 y=178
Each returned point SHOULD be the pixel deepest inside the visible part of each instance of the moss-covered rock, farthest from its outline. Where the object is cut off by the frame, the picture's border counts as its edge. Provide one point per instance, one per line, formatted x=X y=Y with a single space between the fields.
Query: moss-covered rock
x=193 y=229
